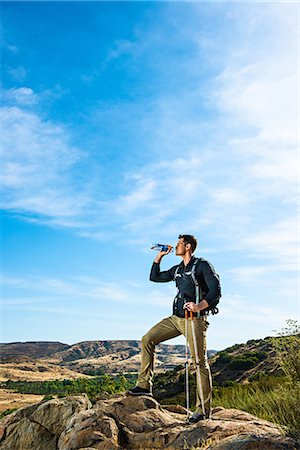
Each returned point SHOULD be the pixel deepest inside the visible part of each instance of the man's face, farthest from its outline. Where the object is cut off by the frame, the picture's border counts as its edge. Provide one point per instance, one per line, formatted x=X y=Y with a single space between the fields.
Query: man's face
x=181 y=247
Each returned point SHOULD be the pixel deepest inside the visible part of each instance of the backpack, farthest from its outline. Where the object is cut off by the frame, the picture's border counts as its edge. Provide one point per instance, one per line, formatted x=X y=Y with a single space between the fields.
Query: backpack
x=212 y=309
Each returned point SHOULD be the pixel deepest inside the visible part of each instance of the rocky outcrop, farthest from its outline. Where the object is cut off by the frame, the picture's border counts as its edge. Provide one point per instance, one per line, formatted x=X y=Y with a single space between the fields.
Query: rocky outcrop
x=73 y=423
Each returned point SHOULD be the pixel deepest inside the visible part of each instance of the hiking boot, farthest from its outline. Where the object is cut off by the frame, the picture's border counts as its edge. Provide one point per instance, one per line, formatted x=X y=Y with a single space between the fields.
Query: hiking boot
x=195 y=418
x=139 y=391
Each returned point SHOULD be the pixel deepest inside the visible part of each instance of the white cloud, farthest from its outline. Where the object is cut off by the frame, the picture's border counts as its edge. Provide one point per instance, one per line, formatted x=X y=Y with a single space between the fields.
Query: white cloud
x=220 y=172
x=82 y=288
x=21 y=96
x=278 y=241
x=245 y=311
x=249 y=274
x=37 y=161
x=144 y=193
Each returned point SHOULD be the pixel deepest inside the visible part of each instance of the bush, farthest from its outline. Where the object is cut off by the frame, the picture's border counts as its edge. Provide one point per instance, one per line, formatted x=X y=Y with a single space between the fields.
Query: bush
x=47 y=397
x=242 y=362
x=224 y=357
x=230 y=383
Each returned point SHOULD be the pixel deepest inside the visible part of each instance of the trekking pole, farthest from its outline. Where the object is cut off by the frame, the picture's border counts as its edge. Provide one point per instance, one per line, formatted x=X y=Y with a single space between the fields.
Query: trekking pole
x=198 y=366
x=187 y=393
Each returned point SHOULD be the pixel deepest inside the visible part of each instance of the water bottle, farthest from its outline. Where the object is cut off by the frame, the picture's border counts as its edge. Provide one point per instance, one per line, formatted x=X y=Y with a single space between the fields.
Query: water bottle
x=162 y=247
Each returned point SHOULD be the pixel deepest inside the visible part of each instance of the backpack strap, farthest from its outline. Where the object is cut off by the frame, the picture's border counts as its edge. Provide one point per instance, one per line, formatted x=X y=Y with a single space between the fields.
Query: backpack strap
x=174 y=279
x=197 y=285
x=175 y=273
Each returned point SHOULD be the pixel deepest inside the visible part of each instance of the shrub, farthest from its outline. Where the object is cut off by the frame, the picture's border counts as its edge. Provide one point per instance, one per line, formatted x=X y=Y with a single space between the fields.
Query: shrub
x=224 y=357
x=47 y=397
x=242 y=362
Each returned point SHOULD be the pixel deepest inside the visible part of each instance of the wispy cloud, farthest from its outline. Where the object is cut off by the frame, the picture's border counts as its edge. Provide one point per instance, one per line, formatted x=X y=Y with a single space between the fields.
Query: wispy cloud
x=218 y=144
x=38 y=163
x=277 y=241
x=241 y=309
x=120 y=48
x=21 y=96
x=81 y=288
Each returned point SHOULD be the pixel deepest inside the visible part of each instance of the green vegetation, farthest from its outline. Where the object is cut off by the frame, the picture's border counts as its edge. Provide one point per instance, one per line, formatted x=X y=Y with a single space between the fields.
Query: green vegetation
x=94 y=372
x=7 y=411
x=93 y=387
x=270 y=398
x=287 y=347
x=273 y=397
x=245 y=361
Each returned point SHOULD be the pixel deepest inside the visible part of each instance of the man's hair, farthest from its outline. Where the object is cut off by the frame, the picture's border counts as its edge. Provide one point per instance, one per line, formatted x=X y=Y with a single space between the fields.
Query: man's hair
x=189 y=239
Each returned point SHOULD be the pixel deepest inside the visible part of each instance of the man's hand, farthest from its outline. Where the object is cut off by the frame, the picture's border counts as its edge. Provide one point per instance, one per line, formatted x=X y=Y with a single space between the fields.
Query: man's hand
x=191 y=306
x=160 y=255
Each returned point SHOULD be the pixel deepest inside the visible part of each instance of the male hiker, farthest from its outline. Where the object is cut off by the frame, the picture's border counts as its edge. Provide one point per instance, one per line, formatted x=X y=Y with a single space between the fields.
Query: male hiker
x=189 y=271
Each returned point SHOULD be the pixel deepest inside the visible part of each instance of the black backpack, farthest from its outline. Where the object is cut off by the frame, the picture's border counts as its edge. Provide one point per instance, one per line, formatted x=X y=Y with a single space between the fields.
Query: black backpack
x=212 y=309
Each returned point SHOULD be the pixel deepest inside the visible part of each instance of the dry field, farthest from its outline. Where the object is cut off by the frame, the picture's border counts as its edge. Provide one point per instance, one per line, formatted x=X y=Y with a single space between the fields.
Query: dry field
x=10 y=400
x=30 y=371
x=36 y=371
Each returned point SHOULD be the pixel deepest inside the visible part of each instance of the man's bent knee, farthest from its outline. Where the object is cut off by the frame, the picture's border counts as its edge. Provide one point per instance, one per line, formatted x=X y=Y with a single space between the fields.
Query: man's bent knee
x=147 y=339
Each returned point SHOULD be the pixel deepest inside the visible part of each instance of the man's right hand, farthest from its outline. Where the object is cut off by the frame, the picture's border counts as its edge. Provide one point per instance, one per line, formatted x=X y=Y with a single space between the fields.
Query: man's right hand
x=160 y=255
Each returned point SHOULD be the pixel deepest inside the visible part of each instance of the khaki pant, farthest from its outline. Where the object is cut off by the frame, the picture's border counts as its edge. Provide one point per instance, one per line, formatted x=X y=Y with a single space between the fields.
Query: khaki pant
x=169 y=328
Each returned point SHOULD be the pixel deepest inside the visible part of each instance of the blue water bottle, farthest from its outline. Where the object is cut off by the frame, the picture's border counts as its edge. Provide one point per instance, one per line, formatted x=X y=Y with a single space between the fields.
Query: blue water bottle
x=162 y=247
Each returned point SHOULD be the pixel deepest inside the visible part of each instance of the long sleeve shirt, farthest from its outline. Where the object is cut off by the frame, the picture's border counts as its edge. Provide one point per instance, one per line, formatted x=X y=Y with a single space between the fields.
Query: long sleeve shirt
x=205 y=274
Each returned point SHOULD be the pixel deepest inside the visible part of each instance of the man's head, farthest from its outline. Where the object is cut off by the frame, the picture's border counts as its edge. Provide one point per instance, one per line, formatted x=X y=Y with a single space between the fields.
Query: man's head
x=186 y=244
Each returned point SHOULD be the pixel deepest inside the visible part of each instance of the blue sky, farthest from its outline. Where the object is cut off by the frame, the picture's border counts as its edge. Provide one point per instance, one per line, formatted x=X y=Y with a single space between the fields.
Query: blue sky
x=128 y=123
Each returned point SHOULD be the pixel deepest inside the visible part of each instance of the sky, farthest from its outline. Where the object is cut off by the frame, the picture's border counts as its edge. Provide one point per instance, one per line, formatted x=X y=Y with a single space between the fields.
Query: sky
x=128 y=123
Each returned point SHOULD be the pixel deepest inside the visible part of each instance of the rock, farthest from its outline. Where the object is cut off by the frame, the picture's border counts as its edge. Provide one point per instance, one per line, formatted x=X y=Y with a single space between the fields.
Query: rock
x=55 y=414
x=120 y=423
x=39 y=426
x=140 y=414
x=90 y=429
x=25 y=435
x=178 y=409
x=250 y=442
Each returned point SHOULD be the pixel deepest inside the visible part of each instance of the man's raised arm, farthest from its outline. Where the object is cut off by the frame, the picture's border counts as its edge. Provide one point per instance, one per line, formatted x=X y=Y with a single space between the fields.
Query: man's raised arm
x=156 y=274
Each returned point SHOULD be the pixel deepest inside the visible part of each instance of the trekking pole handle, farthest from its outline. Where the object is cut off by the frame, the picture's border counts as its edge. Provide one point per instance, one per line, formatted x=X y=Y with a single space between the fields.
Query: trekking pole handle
x=188 y=314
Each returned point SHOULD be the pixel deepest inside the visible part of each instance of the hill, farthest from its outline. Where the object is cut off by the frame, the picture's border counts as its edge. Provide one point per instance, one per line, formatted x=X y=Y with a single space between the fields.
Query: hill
x=32 y=349
x=55 y=360
x=238 y=363
x=242 y=362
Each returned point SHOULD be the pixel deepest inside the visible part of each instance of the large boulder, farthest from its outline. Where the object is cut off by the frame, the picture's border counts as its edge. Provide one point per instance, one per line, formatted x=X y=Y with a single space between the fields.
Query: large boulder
x=72 y=423
x=39 y=426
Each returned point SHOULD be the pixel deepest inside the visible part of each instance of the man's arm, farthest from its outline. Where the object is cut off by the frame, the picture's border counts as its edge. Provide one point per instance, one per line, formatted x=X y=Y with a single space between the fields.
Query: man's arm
x=156 y=274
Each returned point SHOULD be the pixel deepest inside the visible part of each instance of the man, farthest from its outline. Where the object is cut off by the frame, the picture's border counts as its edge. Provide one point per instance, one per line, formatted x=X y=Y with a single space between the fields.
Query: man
x=175 y=325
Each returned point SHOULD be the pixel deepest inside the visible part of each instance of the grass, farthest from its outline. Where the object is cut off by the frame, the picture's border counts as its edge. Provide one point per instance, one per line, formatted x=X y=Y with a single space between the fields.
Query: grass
x=271 y=398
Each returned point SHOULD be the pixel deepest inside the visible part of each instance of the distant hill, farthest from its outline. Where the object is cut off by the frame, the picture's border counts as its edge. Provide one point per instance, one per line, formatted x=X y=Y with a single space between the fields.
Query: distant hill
x=31 y=349
x=32 y=360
